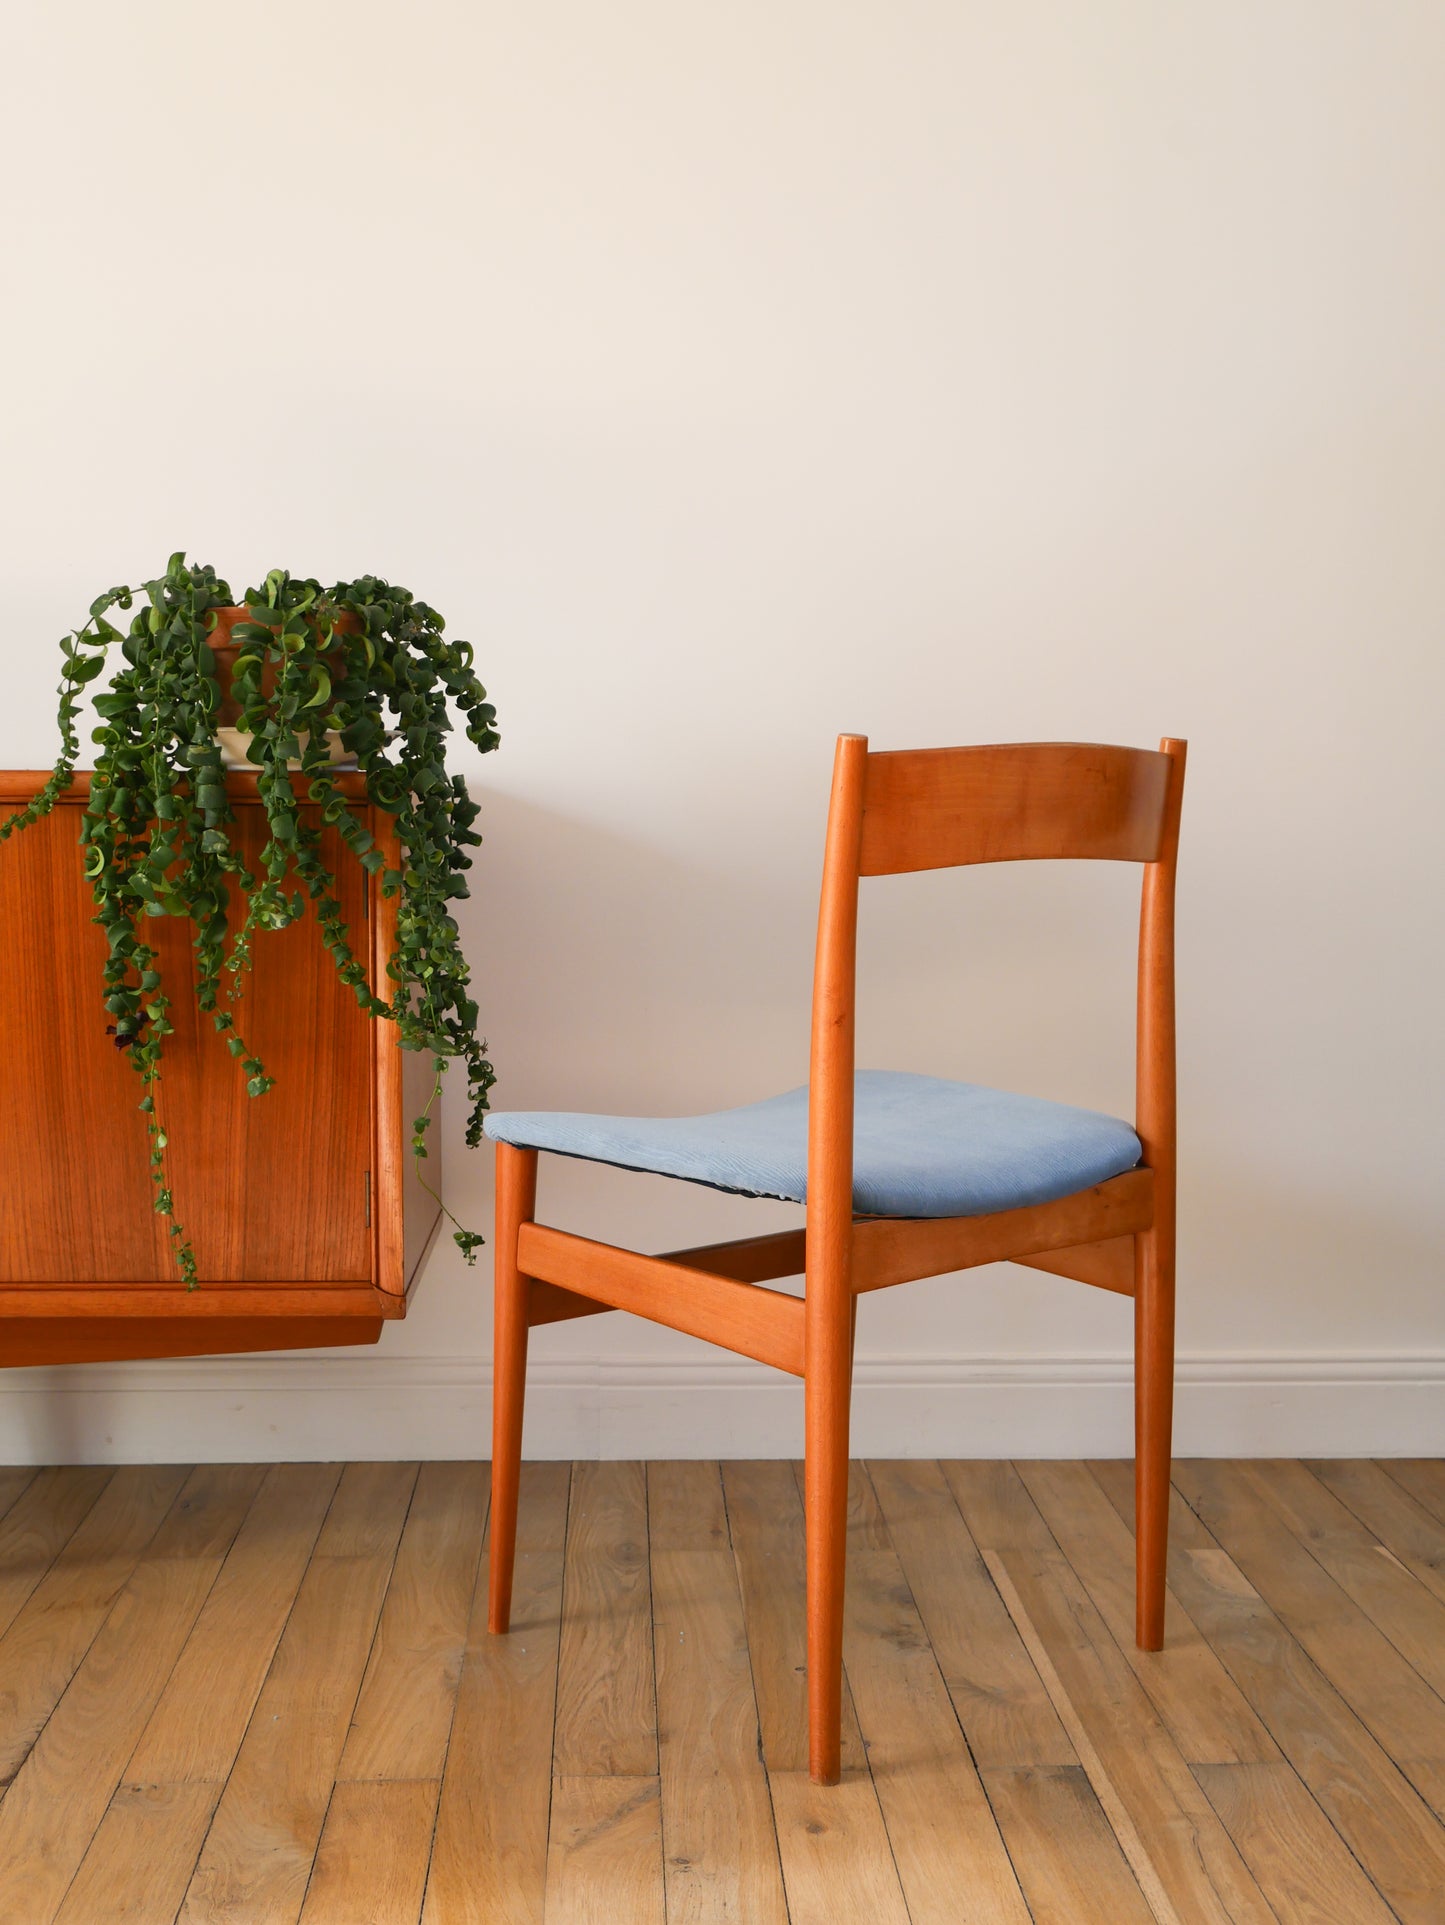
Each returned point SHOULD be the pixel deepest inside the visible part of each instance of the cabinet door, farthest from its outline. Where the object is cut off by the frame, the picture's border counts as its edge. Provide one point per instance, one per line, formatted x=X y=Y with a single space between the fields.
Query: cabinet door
x=271 y=1189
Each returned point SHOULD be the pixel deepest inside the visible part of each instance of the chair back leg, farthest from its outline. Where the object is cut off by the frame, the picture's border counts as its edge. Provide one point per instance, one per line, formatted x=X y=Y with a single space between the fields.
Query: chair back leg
x=516 y=1205
x=1153 y=1429
x=828 y=1386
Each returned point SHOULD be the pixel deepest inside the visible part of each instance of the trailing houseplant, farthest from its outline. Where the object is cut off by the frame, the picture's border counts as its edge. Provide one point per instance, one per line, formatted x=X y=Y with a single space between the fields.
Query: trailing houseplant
x=362 y=661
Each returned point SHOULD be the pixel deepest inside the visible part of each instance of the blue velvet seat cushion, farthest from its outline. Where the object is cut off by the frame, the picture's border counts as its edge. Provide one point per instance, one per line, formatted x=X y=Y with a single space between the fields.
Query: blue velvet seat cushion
x=922 y=1147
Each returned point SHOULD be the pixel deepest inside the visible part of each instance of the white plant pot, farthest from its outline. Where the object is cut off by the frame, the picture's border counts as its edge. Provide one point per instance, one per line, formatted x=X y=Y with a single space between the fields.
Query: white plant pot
x=236 y=749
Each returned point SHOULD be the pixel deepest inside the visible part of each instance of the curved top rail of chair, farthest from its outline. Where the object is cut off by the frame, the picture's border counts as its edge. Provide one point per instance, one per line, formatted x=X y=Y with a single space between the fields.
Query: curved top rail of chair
x=1011 y=802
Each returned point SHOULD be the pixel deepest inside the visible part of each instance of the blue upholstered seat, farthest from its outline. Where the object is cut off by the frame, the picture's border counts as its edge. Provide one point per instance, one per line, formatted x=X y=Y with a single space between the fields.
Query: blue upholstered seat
x=922 y=1147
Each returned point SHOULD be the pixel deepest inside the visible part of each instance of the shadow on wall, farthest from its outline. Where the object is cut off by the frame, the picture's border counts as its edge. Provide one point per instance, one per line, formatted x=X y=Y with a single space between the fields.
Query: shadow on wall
x=614 y=972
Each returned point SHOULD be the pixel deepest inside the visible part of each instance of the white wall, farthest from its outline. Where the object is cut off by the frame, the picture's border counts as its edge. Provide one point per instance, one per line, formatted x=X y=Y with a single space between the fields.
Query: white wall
x=735 y=375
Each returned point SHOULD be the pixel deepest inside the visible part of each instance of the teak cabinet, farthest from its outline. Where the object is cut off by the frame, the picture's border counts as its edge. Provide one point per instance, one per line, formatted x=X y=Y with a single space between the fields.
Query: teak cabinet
x=307 y=1218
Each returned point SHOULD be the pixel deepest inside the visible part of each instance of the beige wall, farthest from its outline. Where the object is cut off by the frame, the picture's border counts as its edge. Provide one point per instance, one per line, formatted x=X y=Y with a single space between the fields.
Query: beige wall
x=733 y=375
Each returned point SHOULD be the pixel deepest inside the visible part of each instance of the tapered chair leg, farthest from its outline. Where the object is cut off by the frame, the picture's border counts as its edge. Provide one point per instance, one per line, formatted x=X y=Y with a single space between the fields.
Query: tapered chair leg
x=828 y=1388
x=1153 y=1427
x=516 y=1205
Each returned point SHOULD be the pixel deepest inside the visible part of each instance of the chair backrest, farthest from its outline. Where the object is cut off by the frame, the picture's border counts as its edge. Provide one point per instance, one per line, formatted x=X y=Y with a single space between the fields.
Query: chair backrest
x=940 y=808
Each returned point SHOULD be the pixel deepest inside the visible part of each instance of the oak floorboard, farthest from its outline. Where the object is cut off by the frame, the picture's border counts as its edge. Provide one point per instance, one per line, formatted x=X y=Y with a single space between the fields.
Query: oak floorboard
x=372 y=1858
x=1304 y=1867
x=867 y=1525
x=1423 y=1478
x=1381 y=1686
x=270 y=1698
x=685 y=1507
x=952 y=1864
x=1184 y=1860
x=1206 y=1712
x=606 y=1711
x=39 y=1524
x=60 y=1794
x=1395 y=1601
x=837 y=1865
x=142 y=1856
x=15 y=1480
x=999 y=1697
x=1384 y=1821
x=404 y=1714
x=1064 y=1851
x=832 y=1841
x=196 y=1729
x=720 y=1852
x=52 y=1632
x=489 y=1855
x=604 y=1852
x=1429 y=1780
x=257 y=1856
x=1179 y=1852
x=1403 y=1528
x=765 y=1519
x=996 y=1506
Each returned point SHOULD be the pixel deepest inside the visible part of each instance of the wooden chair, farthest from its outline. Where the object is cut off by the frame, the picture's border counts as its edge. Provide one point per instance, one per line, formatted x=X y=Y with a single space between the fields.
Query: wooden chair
x=923 y=809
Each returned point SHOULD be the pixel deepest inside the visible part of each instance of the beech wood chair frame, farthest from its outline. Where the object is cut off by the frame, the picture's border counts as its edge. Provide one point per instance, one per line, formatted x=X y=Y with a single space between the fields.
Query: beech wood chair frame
x=891 y=812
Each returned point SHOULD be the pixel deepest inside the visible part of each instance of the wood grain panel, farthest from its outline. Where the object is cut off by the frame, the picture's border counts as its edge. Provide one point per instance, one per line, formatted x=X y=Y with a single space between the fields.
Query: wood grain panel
x=1107 y=1266
x=761 y=1323
x=889 y=1250
x=85 y=1338
x=87 y=1217
x=937 y=808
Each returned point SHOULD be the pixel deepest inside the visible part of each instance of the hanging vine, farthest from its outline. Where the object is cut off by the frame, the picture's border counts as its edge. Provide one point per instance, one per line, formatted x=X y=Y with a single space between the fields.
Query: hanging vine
x=363 y=659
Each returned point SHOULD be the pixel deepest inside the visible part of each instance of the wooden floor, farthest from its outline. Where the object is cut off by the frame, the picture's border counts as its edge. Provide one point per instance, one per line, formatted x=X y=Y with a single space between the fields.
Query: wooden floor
x=261 y=1694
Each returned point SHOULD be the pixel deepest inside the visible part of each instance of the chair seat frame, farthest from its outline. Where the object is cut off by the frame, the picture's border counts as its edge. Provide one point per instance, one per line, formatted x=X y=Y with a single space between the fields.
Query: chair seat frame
x=888 y=813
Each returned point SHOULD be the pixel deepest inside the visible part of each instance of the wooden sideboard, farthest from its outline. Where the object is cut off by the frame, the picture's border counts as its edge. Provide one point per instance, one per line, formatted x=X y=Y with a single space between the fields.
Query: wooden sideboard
x=307 y=1218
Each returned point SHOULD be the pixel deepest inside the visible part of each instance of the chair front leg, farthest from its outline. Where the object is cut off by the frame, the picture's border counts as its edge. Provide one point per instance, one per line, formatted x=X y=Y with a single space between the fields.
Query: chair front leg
x=1153 y=1428
x=516 y=1205
x=828 y=1386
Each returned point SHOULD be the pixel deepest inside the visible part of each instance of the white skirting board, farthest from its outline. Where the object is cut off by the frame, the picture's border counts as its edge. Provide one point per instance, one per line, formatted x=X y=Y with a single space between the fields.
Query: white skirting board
x=309 y=1406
